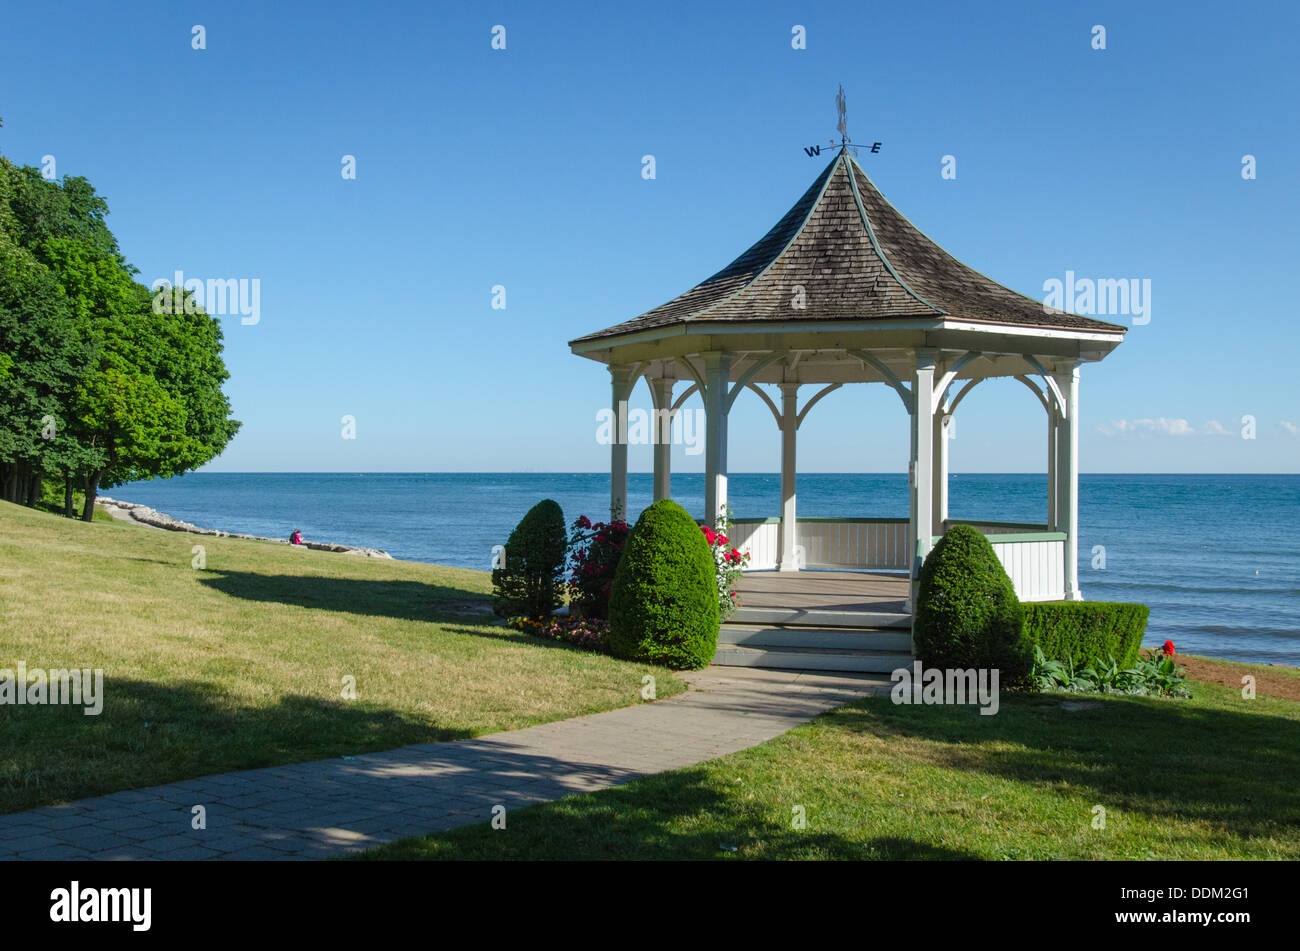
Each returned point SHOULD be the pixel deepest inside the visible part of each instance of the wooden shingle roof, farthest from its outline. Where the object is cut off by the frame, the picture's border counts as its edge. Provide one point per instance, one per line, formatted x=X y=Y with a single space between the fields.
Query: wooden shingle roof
x=855 y=258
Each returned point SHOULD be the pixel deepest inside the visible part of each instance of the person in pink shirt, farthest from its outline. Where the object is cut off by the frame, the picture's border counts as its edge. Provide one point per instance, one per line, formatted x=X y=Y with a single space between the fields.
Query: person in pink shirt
x=295 y=538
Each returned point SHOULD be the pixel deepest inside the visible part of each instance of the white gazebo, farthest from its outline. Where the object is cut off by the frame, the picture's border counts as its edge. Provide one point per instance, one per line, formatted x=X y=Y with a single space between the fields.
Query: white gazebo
x=844 y=289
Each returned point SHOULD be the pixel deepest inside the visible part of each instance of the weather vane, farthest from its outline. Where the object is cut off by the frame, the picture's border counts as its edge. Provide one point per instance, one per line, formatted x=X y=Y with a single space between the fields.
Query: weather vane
x=841 y=126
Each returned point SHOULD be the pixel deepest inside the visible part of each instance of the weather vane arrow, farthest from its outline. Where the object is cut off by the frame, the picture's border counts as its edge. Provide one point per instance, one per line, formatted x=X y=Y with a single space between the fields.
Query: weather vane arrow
x=842 y=126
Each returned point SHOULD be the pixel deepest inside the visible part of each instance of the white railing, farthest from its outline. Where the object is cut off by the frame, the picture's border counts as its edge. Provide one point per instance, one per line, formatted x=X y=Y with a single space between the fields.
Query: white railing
x=761 y=538
x=1035 y=562
x=879 y=543
x=1033 y=557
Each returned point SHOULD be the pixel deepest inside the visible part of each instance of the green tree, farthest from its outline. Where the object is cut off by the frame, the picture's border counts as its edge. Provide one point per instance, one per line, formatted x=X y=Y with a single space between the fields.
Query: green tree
x=132 y=393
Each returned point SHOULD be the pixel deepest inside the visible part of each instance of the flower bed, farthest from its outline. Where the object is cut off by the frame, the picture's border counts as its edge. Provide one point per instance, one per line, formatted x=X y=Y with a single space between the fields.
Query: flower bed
x=588 y=633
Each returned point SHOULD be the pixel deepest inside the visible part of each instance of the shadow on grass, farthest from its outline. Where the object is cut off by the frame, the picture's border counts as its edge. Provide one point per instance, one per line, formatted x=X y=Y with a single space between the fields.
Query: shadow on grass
x=150 y=733
x=1239 y=770
x=678 y=815
x=404 y=600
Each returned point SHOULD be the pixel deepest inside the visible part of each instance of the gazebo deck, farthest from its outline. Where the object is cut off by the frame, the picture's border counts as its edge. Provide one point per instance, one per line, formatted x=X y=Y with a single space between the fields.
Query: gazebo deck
x=813 y=590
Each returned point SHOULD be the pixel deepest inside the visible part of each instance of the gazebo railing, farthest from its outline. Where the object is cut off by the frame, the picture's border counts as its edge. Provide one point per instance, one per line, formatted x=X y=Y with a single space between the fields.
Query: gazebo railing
x=1033 y=557
x=878 y=543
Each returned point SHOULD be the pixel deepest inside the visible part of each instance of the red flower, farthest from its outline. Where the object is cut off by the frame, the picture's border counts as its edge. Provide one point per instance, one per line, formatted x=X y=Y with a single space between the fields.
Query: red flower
x=1169 y=648
x=583 y=522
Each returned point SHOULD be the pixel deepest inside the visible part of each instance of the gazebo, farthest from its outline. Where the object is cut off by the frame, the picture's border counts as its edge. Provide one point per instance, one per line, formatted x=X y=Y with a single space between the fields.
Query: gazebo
x=844 y=289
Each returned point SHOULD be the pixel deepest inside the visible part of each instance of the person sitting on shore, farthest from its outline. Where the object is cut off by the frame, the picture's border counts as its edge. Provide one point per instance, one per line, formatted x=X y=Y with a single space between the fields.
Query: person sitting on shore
x=296 y=538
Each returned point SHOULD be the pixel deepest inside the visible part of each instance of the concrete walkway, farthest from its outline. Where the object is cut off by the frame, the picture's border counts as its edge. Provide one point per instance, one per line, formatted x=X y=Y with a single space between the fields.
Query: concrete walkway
x=333 y=807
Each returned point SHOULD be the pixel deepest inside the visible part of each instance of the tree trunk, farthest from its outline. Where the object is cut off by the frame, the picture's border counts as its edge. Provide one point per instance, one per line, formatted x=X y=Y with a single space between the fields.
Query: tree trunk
x=34 y=487
x=92 y=490
x=68 y=509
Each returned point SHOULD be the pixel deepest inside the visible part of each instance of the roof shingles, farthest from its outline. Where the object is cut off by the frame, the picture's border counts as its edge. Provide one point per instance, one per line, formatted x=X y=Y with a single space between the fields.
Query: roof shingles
x=821 y=254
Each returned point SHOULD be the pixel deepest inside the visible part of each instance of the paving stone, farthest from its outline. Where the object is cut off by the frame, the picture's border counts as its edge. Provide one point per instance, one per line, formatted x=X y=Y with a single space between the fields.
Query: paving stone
x=337 y=807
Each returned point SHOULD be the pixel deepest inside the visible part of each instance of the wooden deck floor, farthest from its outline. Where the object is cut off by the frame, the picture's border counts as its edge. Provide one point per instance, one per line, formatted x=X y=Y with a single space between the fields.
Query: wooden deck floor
x=823 y=590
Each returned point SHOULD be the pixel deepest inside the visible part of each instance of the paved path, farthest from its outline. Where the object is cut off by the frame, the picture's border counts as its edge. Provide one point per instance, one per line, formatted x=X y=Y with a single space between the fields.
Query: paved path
x=333 y=807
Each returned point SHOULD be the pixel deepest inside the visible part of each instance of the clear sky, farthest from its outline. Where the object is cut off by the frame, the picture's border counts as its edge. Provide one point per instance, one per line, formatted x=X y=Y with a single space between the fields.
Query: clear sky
x=522 y=168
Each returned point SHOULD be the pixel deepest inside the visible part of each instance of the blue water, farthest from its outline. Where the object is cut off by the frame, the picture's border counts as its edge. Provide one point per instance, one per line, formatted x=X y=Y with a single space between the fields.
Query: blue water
x=1215 y=556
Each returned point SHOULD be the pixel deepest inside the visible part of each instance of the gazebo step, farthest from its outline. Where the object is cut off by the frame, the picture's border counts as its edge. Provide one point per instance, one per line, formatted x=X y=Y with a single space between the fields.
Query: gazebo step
x=814 y=617
x=801 y=658
x=894 y=640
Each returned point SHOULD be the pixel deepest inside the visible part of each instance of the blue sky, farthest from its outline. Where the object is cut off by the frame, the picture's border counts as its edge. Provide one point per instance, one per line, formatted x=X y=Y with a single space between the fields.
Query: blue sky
x=522 y=168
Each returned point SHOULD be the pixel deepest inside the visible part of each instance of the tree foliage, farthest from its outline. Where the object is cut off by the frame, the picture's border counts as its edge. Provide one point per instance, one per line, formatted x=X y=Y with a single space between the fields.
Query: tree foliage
x=95 y=387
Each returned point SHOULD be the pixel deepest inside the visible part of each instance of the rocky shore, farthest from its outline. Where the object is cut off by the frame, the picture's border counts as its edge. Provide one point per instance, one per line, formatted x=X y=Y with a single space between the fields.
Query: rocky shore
x=143 y=515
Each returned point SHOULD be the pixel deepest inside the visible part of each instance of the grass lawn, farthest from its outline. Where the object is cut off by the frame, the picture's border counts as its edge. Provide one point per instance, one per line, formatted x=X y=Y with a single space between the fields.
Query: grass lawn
x=1214 y=777
x=242 y=664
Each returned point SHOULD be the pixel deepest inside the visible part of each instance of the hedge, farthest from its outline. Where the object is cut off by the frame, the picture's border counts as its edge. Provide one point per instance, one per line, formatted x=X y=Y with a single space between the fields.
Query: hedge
x=663 y=608
x=967 y=612
x=1084 y=633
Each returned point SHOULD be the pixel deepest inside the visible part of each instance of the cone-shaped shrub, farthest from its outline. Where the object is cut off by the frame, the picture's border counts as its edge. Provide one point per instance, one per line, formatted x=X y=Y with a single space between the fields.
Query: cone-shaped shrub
x=531 y=582
x=664 y=606
x=967 y=612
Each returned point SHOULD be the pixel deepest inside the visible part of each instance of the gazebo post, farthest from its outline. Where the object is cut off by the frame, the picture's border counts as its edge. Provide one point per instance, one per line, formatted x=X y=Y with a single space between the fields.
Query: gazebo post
x=661 y=393
x=922 y=463
x=622 y=381
x=1068 y=495
x=717 y=380
x=942 y=420
x=789 y=430
x=1052 y=426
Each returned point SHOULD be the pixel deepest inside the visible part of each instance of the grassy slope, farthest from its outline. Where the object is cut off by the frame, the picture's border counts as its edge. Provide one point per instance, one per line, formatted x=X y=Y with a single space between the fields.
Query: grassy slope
x=1214 y=777
x=242 y=664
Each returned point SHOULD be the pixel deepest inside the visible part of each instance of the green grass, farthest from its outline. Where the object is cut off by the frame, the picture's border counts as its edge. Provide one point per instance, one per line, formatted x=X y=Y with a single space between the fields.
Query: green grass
x=1215 y=777
x=241 y=664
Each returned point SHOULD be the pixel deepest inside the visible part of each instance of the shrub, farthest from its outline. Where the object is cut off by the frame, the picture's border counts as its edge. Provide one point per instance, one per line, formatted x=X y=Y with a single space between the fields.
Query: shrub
x=967 y=612
x=664 y=604
x=531 y=581
x=1087 y=633
x=595 y=549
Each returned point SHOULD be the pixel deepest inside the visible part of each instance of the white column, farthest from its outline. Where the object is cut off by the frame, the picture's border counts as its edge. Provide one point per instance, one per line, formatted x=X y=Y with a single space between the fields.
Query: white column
x=717 y=371
x=621 y=380
x=942 y=419
x=922 y=465
x=1052 y=521
x=661 y=391
x=1067 y=499
x=789 y=429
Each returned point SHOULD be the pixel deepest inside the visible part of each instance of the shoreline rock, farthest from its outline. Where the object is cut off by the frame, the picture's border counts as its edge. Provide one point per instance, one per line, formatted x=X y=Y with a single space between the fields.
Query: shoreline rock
x=144 y=515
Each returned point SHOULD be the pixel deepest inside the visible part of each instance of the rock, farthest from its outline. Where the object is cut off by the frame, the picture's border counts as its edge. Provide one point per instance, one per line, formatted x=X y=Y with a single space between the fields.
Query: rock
x=131 y=511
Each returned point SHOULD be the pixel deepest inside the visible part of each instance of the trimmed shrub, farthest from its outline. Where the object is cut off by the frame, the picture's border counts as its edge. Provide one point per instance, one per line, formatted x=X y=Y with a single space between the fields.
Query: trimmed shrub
x=967 y=612
x=1087 y=633
x=664 y=605
x=531 y=582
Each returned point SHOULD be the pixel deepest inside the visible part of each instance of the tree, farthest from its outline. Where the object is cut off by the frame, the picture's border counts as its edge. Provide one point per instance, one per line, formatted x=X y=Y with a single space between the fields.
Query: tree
x=131 y=393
